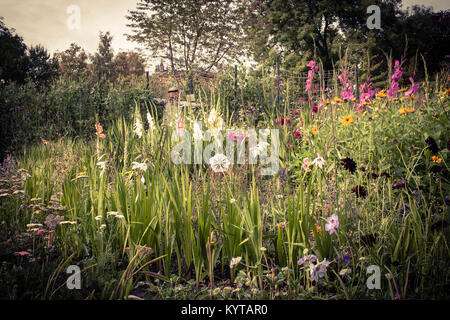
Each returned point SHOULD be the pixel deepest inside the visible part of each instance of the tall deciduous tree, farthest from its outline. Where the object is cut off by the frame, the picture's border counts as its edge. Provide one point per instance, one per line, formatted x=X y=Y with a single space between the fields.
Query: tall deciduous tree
x=42 y=68
x=190 y=34
x=73 y=61
x=128 y=64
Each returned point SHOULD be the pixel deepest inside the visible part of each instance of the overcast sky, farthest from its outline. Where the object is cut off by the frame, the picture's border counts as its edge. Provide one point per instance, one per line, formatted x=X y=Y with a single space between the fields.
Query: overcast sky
x=45 y=21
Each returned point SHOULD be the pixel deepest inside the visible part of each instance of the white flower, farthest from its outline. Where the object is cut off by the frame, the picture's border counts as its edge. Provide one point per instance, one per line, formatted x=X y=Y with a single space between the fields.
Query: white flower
x=139 y=166
x=112 y=213
x=138 y=127
x=198 y=134
x=259 y=149
x=103 y=226
x=120 y=216
x=151 y=124
x=219 y=163
x=232 y=200
x=235 y=261
x=68 y=222
x=212 y=116
x=98 y=218
x=319 y=162
x=102 y=165
x=220 y=123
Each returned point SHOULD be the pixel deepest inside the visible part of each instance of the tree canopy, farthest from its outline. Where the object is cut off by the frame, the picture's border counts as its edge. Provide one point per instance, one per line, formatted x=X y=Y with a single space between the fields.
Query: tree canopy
x=190 y=34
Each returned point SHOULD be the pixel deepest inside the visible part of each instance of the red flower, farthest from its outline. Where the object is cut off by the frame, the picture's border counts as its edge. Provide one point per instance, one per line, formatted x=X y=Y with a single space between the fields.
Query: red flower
x=297 y=134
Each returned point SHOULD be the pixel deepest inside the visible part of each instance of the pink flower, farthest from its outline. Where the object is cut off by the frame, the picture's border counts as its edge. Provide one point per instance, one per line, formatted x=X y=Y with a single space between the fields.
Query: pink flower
x=311 y=73
x=392 y=93
x=347 y=95
x=41 y=231
x=297 y=134
x=414 y=88
x=315 y=109
x=232 y=137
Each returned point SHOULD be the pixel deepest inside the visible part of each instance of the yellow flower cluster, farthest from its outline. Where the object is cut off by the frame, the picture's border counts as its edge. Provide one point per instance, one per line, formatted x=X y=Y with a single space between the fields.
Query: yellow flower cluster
x=436 y=159
x=405 y=111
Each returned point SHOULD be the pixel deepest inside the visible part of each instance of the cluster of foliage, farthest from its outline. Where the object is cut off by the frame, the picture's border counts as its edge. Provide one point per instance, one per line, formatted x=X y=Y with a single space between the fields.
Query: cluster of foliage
x=104 y=65
x=362 y=183
x=17 y=62
x=298 y=30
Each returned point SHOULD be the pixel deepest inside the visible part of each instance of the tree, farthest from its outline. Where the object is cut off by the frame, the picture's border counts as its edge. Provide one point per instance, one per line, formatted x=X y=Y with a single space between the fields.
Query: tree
x=298 y=29
x=102 y=61
x=191 y=34
x=13 y=55
x=129 y=64
x=295 y=28
x=42 y=69
x=73 y=61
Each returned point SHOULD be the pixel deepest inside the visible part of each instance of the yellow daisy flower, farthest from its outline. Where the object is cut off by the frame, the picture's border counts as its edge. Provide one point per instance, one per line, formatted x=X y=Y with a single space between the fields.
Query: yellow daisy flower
x=347 y=120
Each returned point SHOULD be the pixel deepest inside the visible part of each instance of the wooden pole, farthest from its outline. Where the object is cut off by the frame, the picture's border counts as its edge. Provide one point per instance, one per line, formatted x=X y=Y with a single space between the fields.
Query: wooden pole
x=278 y=82
x=235 y=81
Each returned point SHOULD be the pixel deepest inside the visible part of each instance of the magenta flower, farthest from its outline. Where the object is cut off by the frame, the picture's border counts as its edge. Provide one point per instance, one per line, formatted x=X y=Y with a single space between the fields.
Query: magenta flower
x=343 y=79
x=392 y=93
x=347 y=95
x=332 y=224
x=311 y=73
x=414 y=88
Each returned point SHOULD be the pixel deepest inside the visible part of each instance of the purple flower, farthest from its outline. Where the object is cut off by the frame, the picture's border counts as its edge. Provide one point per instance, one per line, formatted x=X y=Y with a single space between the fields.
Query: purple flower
x=307 y=259
x=318 y=270
x=332 y=224
x=283 y=177
x=345 y=259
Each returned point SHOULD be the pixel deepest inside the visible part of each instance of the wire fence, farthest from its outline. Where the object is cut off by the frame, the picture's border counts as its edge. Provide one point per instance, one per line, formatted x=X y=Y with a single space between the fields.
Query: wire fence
x=276 y=83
